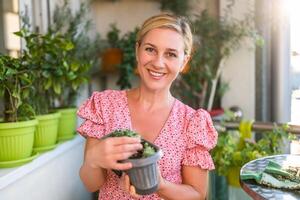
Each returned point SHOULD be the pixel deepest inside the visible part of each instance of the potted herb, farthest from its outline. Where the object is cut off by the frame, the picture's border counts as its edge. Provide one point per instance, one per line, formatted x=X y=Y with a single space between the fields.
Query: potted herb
x=18 y=126
x=143 y=175
x=112 y=55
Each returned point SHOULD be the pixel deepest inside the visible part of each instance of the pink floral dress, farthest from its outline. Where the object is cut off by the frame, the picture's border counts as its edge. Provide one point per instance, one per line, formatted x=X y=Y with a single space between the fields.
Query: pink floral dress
x=185 y=139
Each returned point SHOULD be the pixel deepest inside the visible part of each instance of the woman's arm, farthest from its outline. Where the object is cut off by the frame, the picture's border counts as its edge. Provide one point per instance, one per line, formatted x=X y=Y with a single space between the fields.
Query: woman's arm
x=92 y=177
x=194 y=185
x=103 y=154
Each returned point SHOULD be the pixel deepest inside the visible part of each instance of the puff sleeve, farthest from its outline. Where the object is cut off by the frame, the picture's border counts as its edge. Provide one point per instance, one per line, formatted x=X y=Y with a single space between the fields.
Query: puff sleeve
x=91 y=112
x=201 y=138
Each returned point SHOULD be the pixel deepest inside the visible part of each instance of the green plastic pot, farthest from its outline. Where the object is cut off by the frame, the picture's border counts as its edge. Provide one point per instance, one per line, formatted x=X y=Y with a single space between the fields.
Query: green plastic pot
x=67 y=123
x=45 y=137
x=233 y=176
x=16 y=140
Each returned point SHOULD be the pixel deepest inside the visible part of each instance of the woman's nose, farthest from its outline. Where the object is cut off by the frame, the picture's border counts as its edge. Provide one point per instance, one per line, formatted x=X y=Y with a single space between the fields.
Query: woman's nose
x=158 y=61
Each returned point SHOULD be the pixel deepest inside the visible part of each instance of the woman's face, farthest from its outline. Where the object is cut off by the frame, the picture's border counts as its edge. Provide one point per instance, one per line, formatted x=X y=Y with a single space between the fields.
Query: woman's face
x=160 y=57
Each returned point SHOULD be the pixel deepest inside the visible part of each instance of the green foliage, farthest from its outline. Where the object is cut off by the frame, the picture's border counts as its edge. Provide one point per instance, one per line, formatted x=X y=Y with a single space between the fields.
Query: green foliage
x=75 y=27
x=113 y=36
x=123 y=133
x=15 y=86
x=215 y=40
x=232 y=150
x=126 y=73
x=47 y=56
x=147 y=150
x=178 y=7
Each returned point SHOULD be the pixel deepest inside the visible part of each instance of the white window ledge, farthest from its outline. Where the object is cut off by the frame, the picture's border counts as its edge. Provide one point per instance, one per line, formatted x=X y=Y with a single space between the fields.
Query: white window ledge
x=11 y=175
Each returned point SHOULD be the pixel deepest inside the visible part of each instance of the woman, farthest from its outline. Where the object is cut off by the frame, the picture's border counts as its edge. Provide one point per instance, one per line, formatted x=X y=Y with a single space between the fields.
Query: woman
x=185 y=135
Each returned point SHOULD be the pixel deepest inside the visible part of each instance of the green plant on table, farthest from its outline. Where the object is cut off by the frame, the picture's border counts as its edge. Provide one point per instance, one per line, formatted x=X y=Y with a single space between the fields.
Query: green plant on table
x=16 y=80
x=233 y=150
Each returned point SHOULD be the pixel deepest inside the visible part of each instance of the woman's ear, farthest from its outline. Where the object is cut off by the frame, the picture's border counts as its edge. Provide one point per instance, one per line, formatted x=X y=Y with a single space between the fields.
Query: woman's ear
x=185 y=62
x=137 y=45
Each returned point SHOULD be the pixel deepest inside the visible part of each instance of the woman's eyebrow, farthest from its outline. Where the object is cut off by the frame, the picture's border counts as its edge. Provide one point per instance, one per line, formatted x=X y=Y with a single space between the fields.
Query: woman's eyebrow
x=149 y=44
x=170 y=49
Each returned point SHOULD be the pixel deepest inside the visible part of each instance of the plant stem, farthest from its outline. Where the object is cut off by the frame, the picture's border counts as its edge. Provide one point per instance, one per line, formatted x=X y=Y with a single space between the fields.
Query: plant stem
x=214 y=85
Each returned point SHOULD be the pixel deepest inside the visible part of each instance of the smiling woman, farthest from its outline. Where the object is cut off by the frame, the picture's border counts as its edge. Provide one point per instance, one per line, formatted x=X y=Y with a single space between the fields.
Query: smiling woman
x=183 y=134
x=160 y=59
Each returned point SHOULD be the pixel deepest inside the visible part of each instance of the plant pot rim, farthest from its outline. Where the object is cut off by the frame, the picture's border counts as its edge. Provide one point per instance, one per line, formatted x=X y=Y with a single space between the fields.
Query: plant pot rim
x=20 y=124
x=67 y=110
x=140 y=162
x=48 y=116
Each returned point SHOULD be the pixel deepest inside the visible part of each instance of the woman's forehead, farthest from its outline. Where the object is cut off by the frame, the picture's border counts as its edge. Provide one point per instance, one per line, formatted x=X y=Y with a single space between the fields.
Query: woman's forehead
x=164 y=38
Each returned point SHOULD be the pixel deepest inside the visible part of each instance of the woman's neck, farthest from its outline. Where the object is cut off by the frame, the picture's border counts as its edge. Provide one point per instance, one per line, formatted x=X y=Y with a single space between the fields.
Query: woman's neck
x=152 y=100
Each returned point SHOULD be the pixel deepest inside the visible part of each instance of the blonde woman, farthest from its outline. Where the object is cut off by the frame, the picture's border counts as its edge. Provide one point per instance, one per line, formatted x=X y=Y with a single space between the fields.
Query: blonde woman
x=185 y=135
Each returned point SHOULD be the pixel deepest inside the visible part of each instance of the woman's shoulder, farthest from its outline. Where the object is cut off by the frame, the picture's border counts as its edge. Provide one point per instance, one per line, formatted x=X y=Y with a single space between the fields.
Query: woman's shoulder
x=188 y=111
x=109 y=93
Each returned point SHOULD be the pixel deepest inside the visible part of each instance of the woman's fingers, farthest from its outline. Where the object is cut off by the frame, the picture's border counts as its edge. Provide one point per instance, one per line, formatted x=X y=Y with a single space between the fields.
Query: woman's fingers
x=123 y=155
x=125 y=140
x=127 y=148
x=133 y=192
x=125 y=184
x=122 y=166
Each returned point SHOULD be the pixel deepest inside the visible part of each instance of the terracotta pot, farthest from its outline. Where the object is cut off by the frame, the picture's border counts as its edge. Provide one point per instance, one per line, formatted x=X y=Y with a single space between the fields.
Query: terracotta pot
x=111 y=58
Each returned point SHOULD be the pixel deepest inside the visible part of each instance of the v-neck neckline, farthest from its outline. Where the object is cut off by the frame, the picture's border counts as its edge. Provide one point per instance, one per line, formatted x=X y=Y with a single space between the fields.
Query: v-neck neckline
x=125 y=95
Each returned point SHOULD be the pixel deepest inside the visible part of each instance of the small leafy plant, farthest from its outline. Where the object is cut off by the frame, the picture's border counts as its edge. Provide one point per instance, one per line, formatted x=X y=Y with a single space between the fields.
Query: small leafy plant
x=233 y=150
x=113 y=36
x=16 y=81
x=147 y=150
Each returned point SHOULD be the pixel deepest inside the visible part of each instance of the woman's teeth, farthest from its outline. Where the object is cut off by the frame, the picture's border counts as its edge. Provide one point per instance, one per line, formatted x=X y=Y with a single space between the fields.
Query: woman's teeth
x=156 y=74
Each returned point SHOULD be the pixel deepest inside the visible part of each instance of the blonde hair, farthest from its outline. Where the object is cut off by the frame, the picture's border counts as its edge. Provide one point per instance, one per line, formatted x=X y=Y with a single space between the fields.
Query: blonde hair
x=179 y=24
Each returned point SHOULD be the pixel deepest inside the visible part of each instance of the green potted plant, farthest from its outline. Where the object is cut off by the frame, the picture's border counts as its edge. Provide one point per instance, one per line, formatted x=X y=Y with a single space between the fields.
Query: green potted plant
x=112 y=55
x=235 y=148
x=18 y=125
x=143 y=175
x=80 y=60
x=47 y=56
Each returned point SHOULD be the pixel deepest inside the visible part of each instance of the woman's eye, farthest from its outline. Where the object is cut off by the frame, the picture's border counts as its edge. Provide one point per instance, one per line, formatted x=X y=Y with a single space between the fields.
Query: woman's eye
x=149 y=49
x=170 y=54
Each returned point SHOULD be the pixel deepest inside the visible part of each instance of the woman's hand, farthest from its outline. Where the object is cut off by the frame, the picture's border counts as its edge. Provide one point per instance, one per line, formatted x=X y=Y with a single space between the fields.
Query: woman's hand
x=105 y=153
x=127 y=187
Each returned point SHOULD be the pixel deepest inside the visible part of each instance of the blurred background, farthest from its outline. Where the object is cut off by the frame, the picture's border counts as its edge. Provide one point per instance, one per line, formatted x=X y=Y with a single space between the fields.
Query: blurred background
x=245 y=69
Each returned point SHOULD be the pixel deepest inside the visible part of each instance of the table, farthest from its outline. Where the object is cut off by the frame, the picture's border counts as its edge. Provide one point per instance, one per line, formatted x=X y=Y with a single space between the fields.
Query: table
x=265 y=193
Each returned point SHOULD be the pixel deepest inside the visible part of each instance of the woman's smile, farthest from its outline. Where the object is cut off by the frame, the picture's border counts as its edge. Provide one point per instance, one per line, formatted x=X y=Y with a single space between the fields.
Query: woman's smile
x=156 y=75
